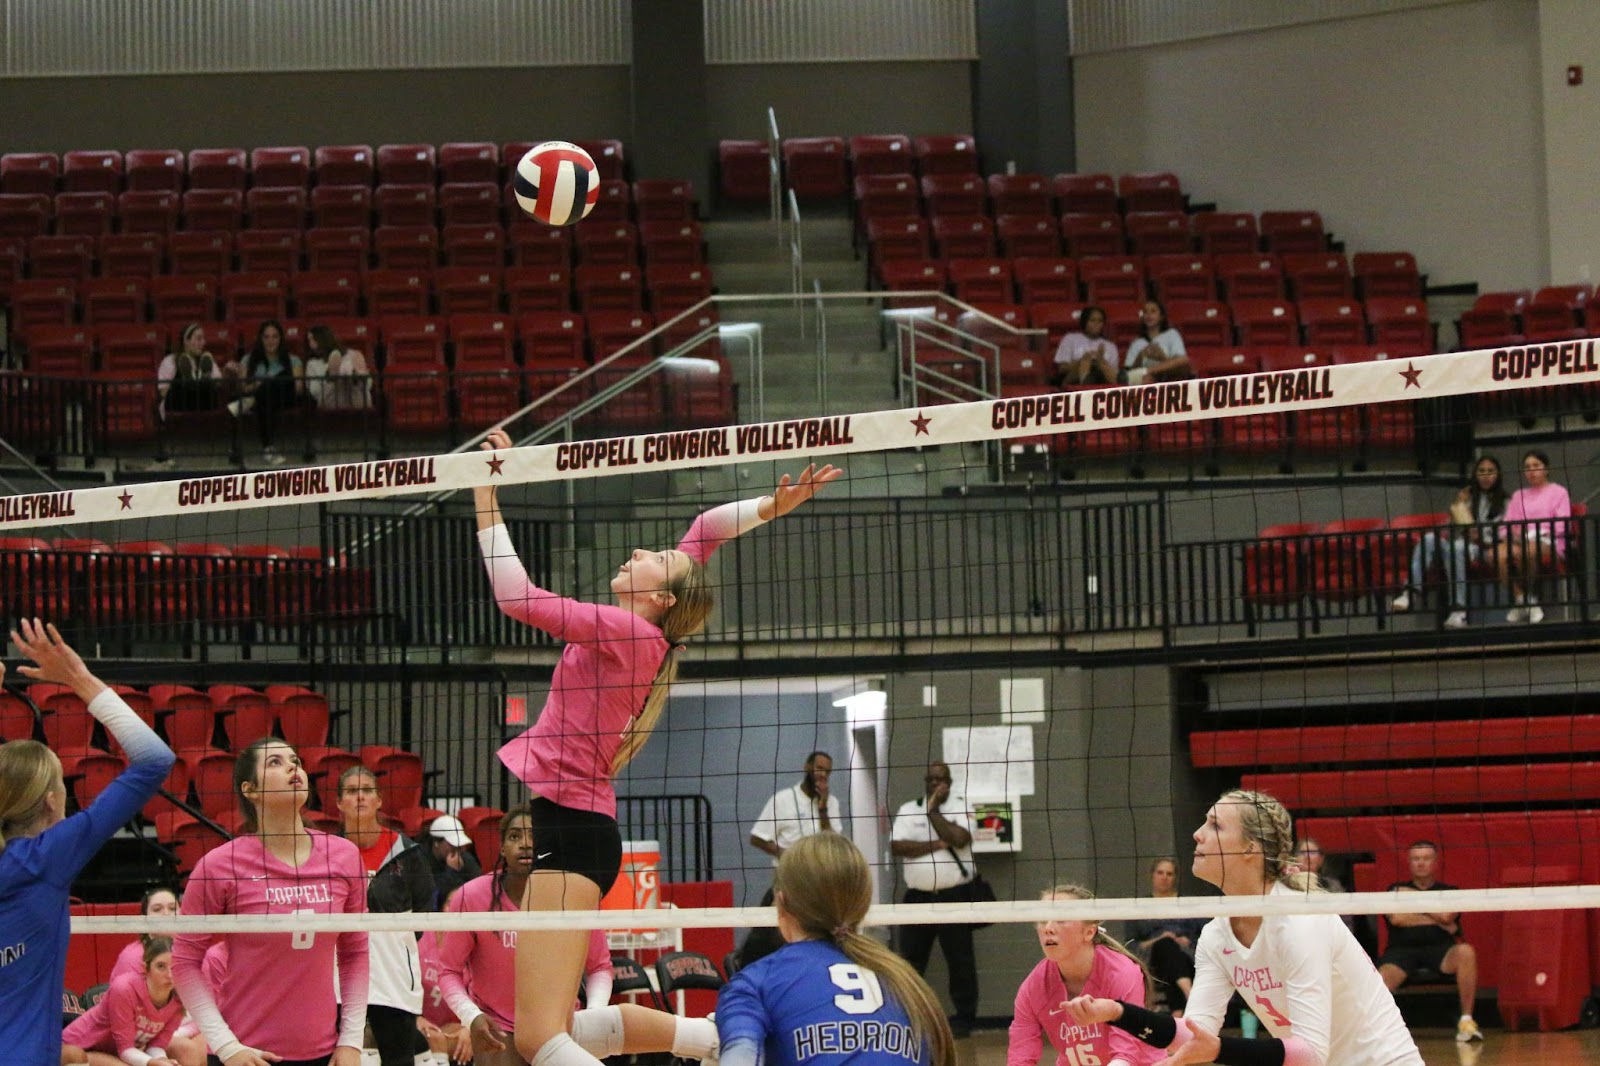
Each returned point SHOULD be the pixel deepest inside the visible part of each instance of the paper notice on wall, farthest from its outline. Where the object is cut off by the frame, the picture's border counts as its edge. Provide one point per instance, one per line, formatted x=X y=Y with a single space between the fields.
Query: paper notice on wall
x=990 y=761
x=1021 y=700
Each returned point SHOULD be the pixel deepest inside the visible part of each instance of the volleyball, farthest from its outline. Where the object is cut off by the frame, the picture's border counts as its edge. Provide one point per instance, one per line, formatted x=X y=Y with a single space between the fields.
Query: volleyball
x=557 y=183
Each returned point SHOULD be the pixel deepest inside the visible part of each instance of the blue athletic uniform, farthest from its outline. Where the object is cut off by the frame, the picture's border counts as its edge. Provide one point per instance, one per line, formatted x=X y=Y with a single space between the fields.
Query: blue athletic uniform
x=36 y=875
x=807 y=1004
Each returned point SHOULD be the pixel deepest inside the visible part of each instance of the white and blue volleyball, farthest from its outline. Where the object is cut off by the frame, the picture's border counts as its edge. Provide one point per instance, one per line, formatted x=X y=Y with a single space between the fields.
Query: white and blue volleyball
x=557 y=183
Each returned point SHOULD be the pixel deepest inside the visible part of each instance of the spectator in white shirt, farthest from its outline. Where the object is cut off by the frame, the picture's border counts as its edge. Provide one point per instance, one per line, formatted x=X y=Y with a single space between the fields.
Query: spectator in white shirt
x=1087 y=356
x=791 y=815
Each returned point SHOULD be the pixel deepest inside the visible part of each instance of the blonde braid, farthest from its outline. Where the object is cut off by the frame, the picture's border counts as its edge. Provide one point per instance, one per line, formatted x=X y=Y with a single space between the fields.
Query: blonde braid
x=1267 y=824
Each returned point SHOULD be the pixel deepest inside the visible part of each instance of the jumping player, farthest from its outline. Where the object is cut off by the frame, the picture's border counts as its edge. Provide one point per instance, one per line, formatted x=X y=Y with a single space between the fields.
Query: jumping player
x=42 y=851
x=135 y=1021
x=1303 y=975
x=1080 y=959
x=830 y=995
x=279 y=867
x=607 y=692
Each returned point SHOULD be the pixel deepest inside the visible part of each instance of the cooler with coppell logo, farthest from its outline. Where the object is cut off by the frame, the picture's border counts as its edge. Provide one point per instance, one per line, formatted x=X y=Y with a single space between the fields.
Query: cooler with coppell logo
x=637 y=886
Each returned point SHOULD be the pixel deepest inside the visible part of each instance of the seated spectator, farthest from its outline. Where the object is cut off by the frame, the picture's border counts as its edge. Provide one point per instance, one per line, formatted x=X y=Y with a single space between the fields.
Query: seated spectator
x=1430 y=941
x=271 y=382
x=1475 y=517
x=450 y=856
x=1167 y=944
x=1535 y=536
x=337 y=377
x=189 y=379
x=1158 y=353
x=1087 y=356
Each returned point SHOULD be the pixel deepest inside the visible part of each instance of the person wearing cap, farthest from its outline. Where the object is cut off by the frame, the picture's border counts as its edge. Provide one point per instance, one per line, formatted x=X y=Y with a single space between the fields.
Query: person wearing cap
x=450 y=855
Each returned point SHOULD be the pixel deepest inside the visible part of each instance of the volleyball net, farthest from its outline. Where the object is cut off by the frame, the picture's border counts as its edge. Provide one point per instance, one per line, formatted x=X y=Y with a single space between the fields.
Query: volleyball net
x=1101 y=607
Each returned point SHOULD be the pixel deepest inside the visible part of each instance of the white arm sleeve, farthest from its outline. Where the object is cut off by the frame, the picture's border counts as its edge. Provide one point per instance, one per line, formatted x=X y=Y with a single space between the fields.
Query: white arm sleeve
x=136 y=738
x=1208 y=1001
x=597 y=988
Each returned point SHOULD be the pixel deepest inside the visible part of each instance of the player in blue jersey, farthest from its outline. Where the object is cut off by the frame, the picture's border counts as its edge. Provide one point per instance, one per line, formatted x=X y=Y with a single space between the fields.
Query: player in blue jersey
x=830 y=996
x=41 y=854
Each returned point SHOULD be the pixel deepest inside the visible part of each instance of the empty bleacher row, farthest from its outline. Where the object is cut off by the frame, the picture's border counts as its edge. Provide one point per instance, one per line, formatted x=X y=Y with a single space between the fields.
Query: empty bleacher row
x=1474 y=786
x=1553 y=313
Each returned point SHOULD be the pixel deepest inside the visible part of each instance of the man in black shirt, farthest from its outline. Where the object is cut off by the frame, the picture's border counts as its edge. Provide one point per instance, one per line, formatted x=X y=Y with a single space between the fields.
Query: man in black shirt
x=1430 y=941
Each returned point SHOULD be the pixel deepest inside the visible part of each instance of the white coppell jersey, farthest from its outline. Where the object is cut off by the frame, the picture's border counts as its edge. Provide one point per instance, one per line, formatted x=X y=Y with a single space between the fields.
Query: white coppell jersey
x=1306 y=977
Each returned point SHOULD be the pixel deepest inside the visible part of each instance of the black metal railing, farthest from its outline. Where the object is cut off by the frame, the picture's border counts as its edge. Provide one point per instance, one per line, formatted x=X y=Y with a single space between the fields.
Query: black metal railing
x=680 y=824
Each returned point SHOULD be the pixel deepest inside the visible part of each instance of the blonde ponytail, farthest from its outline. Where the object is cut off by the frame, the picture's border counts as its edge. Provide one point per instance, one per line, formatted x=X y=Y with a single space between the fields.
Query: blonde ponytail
x=29 y=773
x=825 y=887
x=1266 y=823
x=691 y=606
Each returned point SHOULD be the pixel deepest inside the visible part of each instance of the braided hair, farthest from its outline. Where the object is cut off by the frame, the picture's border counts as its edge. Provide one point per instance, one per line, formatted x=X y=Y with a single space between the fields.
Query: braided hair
x=498 y=873
x=1266 y=823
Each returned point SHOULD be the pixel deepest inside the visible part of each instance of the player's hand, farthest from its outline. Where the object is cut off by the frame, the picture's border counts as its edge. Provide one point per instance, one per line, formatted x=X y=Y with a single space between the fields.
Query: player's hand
x=251 y=1057
x=462 y=1049
x=345 y=1056
x=1200 y=1046
x=487 y=1036
x=791 y=493
x=1092 y=1010
x=54 y=658
x=940 y=793
x=1465 y=495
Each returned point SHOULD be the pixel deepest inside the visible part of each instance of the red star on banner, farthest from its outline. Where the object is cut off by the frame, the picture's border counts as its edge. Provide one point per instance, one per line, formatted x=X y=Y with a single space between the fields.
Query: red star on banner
x=127 y=500
x=495 y=463
x=921 y=422
x=1412 y=374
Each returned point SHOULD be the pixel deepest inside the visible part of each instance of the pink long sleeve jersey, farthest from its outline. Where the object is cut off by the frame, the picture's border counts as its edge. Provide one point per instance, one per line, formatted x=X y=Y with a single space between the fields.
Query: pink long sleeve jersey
x=1041 y=1008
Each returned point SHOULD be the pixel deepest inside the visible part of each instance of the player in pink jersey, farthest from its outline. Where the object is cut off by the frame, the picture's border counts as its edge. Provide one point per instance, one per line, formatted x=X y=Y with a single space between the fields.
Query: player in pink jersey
x=160 y=901
x=1303 y=975
x=135 y=1021
x=1080 y=959
x=438 y=1023
x=277 y=867
x=1534 y=539
x=606 y=695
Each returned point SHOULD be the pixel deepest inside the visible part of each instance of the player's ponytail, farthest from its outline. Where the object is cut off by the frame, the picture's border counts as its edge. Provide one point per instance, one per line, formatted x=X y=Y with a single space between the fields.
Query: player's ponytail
x=691 y=606
x=1101 y=937
x=29 y=772
x=825 y=888
x=1266 y=823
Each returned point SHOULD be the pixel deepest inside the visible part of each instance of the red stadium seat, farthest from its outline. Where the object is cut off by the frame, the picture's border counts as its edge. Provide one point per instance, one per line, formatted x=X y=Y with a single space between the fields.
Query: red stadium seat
x=1158 y=232
x=1250 y=277
x=1056 y=319
x=1151 y=192
x=954 y=194
x=85 y=213
x=276 y=207
x=1089 y=194
x=59 y=350
x=1273 y=565
x=255 y=295
x=1287 y=232
x=1401 y=323
x=469 y=161
x=404 y=205
x=414 y=398
x=246 y=714
x=398 y=292
x=612 y=331
x=61 y=257
x=113 y=300
x=1028 y=236
x=413 y=339
x=464 y=289
x=478 y=246
x=536 y=244
x=608 y=288
x=882 y=154
x=947 y=154
x=153 y=170
x=24 y=215
x=337 y=248
x=29 y=173
x=614 y=203
x=609 y=158
x=885 y=196
x=1266 y=321
x=1494 y=320
x=816 y=167
x=1047 y=279
x=1556 y=313
x=607 y=243
x=980 y=280
x=208 y=252
x=1109 y=278
x=130 y=349
x=675 y=287
x=148 y=210
x=126 y=405
x=963 y=237
x=90 y=171
x=131 y=254
x=1329 y=321
x=1219 y=232
x=744 y=170
x=286 y=167
x=1020 y=194
x=407 y=164
x=912 y=275
x=1202 y=323
x=302 y=715
x=320 y=294
x=336 y=206
x=218 y=168
x=43 y=302
x=672 y=243
x=1320 y=274
x=552 y=337
x=1181 y=277
x=406 y=247
x=900 y=237
x=1092 y=234
x=469 y=203
x=537 y=289
x=663 y=200
x=268 y=249
x=1387 y=274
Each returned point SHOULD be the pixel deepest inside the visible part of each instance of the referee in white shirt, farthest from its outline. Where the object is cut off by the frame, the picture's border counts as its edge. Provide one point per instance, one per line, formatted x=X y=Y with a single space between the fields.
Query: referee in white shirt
x=933 y=839
x=791 y=813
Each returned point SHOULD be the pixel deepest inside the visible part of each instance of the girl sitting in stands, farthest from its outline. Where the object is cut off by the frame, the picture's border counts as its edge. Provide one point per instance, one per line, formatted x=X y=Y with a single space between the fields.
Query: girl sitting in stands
x=1475 y=517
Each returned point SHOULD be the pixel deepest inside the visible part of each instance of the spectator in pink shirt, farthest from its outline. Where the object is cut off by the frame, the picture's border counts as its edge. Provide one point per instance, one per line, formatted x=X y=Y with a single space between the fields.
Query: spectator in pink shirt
x=135 y=1021
x=606 y=695
x=1535 y=537
x=277 y=867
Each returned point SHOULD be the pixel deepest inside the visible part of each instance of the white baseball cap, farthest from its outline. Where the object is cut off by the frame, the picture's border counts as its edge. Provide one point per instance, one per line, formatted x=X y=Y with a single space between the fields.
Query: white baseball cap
x=448 y=827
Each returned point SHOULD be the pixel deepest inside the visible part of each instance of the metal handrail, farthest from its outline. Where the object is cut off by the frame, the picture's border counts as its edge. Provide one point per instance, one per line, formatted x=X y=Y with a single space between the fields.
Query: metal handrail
x=775 y=172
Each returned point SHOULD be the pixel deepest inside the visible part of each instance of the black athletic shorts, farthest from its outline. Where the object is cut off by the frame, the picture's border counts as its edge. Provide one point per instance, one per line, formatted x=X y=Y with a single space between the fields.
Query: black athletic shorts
x=1413 y=959
x=576 y=842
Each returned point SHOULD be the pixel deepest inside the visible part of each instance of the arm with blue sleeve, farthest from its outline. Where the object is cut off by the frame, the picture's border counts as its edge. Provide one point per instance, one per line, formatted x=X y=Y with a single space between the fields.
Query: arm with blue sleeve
x=742 y=1023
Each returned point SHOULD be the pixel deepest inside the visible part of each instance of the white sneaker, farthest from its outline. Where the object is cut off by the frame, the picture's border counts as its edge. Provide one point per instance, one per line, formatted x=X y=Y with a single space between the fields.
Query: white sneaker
x=271 y=458
x=1402 y=602
x=1535 y=613
x=1456 y=620
x=1517 y=614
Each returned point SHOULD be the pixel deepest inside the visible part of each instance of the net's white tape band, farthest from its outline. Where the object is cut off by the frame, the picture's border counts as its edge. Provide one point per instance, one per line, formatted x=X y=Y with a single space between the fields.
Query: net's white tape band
x=1390 y=381
x=1543 y=897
